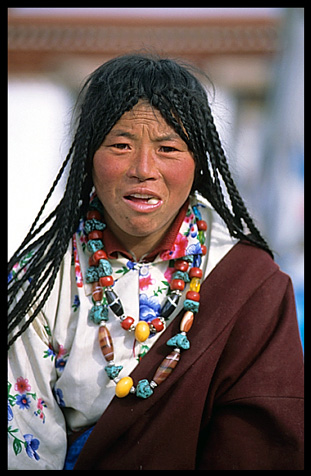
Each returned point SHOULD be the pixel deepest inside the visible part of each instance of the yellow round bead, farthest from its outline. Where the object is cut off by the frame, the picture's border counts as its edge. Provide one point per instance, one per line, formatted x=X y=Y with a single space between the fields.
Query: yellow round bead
x=142 y=331
x=195 y=285
x=123 y=387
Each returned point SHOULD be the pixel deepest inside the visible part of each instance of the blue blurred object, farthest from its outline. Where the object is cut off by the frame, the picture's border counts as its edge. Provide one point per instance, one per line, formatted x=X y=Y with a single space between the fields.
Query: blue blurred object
x=299 y=294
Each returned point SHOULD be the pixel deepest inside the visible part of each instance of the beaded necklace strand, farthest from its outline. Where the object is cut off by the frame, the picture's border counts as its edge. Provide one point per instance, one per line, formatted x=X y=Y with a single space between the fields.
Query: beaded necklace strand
x=99 y=274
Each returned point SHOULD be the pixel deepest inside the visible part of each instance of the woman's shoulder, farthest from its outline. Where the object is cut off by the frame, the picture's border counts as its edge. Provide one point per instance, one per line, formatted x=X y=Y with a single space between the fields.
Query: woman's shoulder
x=247 y=267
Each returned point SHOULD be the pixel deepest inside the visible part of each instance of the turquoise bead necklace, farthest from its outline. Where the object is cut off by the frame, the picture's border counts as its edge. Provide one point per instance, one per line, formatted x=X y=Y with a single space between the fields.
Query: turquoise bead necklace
x=99 y=274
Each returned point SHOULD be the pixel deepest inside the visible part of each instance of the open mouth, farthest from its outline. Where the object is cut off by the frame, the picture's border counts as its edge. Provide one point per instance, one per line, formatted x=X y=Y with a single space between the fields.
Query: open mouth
x=143 y=198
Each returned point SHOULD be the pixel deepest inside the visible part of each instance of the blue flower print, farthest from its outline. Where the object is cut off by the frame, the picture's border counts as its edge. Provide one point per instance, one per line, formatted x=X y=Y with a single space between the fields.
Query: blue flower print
x=23 y=401
x=194 y=230
x=194 y=249
x=149 y=307
x=60 y=364
x=59 y=397
x=10 y=413
x=49 y=353
x=32 y=444
x=76 y=303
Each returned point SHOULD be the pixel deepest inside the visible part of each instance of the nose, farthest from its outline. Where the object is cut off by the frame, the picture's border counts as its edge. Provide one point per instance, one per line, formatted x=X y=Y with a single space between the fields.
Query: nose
x=143 y=165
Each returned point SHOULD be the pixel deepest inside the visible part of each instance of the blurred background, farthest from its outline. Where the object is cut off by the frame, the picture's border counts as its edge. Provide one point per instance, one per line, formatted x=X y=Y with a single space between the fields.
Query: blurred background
x=254 y=58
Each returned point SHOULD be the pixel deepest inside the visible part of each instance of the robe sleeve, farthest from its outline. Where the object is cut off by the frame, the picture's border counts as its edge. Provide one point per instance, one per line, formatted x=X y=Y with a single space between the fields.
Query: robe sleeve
x=256 y=418
x=36 y=426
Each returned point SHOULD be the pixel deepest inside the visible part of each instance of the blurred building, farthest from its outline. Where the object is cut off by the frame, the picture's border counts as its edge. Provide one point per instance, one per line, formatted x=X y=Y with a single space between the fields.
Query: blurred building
x=254 y=57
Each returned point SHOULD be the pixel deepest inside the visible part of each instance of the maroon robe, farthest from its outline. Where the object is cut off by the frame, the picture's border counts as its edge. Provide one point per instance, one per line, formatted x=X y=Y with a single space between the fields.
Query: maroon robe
x=235 y=399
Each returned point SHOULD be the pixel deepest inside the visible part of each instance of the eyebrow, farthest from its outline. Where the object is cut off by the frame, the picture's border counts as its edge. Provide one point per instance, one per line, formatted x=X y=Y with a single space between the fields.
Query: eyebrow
x=166 y=137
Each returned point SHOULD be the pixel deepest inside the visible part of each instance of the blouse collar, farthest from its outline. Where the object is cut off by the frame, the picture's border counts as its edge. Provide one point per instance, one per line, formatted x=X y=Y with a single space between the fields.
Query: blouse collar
x=113 y=246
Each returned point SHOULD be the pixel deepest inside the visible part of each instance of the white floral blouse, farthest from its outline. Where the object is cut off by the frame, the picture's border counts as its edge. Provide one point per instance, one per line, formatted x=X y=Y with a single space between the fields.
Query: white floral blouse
x=57 y=383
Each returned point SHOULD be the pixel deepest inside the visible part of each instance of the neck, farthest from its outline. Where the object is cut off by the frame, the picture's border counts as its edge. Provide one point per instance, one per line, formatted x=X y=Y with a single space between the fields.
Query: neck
x=138 y=246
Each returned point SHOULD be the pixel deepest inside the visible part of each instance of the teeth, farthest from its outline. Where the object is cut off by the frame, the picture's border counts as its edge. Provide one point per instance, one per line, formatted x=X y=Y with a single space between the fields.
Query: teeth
x=153 y=201
x=140 y=195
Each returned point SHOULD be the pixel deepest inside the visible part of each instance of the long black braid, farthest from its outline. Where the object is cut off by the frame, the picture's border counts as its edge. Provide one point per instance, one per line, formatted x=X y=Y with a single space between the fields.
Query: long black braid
x=110 y=91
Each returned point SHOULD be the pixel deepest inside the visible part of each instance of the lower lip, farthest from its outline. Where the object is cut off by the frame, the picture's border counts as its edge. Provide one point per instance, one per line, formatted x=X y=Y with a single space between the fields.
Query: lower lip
x=142 y=206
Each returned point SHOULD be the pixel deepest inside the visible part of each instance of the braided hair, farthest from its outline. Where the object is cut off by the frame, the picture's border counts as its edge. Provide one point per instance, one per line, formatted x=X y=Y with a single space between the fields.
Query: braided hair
x=110 y=91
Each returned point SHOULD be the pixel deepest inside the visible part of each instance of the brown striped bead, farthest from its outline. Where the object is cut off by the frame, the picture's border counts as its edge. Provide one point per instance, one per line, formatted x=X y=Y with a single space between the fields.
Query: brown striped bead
x=186 y=322
x=97 y=291
x=105 y=343
x=166 y=367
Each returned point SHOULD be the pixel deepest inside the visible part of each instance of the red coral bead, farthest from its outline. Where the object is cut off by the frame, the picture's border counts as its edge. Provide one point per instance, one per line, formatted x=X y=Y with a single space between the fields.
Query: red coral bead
x=106 y=281
x=93 y=214
x=193 y=296
x=195 y=273
x=95 y=235
x=177 y=284
x=157 y=324
x=127 y=323
x=181 y=265
x=100 y=254
x=204 y=250
x=202 y=225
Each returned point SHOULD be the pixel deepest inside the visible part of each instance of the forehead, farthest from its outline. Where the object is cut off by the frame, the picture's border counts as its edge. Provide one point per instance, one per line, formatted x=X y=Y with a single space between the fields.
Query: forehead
x=143 y=114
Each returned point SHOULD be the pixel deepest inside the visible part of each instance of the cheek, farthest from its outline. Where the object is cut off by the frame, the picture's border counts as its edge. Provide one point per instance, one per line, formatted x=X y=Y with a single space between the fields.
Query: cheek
x=182 y=176
x=105 y=171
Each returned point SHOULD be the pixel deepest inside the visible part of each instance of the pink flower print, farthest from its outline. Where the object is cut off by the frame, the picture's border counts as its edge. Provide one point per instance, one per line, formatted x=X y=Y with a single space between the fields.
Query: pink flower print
x=22 y=385
x=40 y=404
x=178 y=249
x=189 y=218
x=62 y=351
x=169 y=273
x=39 y=412
x=145 y=282
x=61 y=361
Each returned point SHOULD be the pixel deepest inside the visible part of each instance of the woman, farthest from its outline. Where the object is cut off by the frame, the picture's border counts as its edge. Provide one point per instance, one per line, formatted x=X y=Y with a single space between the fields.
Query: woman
x=149 y=325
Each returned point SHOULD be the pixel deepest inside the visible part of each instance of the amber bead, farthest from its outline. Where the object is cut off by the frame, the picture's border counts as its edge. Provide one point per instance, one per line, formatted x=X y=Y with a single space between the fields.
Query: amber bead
x=193 y=295
x=127 y=323
x=142 y=331
x=97 y=291
x=181 y=265
x=177 y=284
x=95 y=235
x=186 y=322
x=106 y=281
x=166 y=367
x=105 y=343
x=195 y=285
x=123 y=387
x=202 y=225
x=195 y=273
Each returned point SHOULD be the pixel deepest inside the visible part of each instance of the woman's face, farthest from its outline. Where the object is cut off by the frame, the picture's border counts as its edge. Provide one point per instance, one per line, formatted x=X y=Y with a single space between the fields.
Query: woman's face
x=143 y=173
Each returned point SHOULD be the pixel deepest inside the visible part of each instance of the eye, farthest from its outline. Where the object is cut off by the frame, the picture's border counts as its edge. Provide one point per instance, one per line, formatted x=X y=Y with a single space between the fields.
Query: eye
x=167 y=149
x=120 y=146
